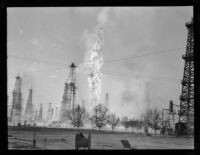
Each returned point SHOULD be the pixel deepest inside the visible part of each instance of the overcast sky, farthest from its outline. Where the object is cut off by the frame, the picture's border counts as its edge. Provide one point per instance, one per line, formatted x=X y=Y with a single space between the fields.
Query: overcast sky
x=42 y=43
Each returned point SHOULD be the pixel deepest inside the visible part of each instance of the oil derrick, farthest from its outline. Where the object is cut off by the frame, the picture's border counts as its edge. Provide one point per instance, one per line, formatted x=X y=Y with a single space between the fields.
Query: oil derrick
x=107 y=100
x=147 y=96
x=8 y=109
x=56 y=114
x=186 y=113
x=35 y=115
x=68 y=101
x=72 y=82
x=50 y=112
x=17 y=102
x=29 y=111
x=40 y=113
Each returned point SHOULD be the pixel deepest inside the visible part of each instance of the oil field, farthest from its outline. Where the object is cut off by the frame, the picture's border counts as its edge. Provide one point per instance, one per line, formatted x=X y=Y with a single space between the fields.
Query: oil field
x=100 y=78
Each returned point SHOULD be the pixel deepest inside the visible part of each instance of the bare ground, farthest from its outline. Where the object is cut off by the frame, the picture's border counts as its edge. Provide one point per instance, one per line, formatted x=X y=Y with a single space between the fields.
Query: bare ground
x=64 y=139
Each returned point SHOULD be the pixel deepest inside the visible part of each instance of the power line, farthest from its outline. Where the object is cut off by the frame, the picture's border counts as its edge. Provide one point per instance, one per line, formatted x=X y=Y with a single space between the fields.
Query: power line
x=109 y=61
x=143 y=55
x=104 y=71
x=155 y=77
x=42 y=61
x=107 y=72
x=36 y=60
x=125 y=75
x=47 y=70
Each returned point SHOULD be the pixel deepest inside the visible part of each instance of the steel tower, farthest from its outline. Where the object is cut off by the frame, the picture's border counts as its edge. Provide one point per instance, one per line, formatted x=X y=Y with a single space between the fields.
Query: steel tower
x=186 y=113
x=72 y=84
x=107 y=100
x=40 y=116
x=16 y=109
x=69 y=95
x=29 y=112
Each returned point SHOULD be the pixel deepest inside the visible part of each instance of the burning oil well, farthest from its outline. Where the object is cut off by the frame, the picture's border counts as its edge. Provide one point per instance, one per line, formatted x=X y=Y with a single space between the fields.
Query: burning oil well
x=94 y=62
x=94 y=59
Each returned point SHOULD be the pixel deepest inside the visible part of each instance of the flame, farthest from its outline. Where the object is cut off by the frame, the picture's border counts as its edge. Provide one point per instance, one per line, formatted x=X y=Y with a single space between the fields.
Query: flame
x=94 y=64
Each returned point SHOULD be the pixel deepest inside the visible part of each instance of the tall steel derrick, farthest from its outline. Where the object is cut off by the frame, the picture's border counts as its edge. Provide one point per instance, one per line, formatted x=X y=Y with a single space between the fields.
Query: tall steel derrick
x=17 y=102
x=186 y=114
x=40 y=116
x=72 y=85
x=49 y=112
x=107 y=100
x=29 y=108
x=69 y=95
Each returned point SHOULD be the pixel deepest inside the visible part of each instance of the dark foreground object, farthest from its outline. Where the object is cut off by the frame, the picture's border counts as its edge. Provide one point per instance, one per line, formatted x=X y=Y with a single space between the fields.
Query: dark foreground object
x=82 y=142
x=126 y=144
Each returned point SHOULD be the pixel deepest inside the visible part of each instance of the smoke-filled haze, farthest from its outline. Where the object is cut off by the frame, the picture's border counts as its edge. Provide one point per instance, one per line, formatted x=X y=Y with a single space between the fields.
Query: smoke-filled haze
x=43 y=42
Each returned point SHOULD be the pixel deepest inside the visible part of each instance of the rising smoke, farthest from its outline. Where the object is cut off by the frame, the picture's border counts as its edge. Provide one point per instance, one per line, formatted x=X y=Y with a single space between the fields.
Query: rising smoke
x=128 y=97
x=94 y=60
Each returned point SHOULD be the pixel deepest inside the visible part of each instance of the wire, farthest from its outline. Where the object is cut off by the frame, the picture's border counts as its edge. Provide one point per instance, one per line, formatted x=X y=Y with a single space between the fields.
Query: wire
x=110 y=61
x=139 y=56
x=143 y=75
x=46 y=70
x=36 y=60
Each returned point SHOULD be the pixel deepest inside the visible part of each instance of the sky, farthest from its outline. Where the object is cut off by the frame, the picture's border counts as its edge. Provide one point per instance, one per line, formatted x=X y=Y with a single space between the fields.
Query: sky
x=142 y=53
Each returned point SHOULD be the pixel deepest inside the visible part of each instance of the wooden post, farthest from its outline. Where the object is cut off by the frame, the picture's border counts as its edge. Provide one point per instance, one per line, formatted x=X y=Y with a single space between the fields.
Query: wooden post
x=162 y=123
x=45 y=140
x=34 y=140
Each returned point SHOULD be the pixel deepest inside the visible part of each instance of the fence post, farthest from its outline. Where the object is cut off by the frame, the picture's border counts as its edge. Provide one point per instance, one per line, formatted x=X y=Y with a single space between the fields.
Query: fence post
x=45 y=140
x=34 y=140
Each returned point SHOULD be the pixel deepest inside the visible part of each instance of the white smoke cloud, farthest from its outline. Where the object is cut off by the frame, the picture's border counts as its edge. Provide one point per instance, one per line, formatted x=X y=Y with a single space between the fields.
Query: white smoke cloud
x=102 y=17
x=94 y=58
x=89 y=39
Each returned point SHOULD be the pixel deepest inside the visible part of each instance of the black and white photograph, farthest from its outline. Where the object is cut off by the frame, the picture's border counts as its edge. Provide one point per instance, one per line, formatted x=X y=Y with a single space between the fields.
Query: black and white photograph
x=100 y=78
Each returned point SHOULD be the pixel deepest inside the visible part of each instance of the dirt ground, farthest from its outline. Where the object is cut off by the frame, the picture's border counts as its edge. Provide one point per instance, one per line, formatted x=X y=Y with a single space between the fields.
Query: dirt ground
x=65 y=140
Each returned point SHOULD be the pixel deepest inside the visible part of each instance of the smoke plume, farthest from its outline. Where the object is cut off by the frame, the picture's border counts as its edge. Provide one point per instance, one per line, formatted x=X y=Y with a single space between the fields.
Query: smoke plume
x=94 y=59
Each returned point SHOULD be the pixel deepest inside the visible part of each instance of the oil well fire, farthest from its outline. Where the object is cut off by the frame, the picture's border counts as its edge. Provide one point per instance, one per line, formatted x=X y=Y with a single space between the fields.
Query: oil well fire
x=94 y=62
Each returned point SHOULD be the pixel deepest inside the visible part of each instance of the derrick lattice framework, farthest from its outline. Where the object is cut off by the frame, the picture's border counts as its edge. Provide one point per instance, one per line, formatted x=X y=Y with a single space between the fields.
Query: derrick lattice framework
x=16 y=109
x=40 y=116
x=50 y=112
x=186 y=114
x=29 y=112
x=107 y=100
x=69 y=95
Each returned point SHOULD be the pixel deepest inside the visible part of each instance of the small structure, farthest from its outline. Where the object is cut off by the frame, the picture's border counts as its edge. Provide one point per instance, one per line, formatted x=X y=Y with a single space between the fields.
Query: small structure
x=127 y=145
x=82 y=142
